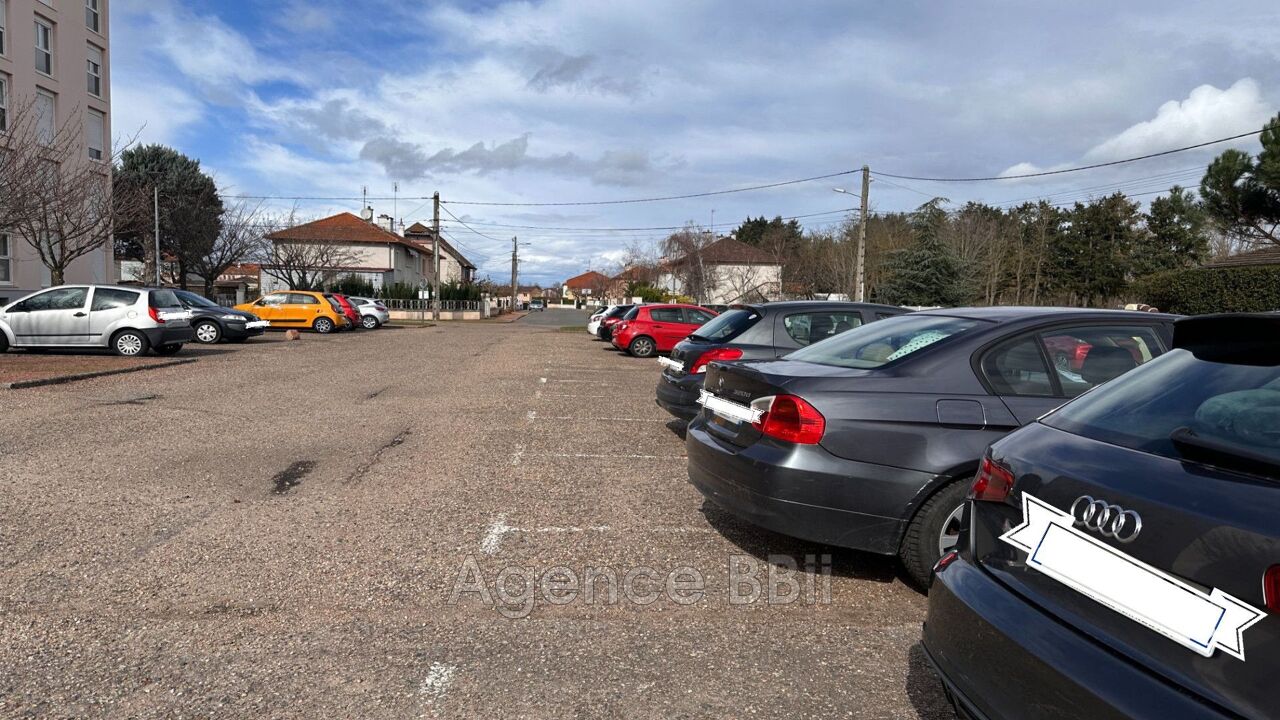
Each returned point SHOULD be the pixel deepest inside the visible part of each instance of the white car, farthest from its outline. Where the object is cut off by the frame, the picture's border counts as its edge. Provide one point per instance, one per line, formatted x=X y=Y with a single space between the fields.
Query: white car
x=373 y=314
x=593 y=324
x=128 y=320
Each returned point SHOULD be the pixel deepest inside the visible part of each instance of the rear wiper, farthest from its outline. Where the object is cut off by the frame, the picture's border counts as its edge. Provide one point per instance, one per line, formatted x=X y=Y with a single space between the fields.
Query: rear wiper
x=1224 y=454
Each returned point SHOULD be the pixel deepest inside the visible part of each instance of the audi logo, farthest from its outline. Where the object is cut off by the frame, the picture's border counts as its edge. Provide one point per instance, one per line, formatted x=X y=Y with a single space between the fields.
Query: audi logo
x=1107 y=520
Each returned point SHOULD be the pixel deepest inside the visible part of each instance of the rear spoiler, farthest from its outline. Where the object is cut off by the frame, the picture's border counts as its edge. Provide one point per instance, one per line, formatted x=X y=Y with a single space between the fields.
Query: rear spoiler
x=1236 y=338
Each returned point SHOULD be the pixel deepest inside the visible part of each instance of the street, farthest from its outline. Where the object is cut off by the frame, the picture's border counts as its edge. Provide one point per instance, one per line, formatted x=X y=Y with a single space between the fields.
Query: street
x=354 y=526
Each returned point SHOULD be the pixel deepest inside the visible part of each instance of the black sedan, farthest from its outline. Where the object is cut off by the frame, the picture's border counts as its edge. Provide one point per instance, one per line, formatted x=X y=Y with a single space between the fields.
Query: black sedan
x=1122 y=558
x=214 y=323
x=870 y=439
x=755 y=332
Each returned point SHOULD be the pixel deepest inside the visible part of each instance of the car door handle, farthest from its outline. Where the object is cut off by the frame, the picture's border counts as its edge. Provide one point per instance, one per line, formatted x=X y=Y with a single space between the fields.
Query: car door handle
x=79 y=314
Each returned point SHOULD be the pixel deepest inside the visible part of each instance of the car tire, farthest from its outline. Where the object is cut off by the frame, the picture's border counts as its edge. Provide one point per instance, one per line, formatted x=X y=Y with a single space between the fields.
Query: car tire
x=643 y=347
x=933 y=531
x=4 y=342
x=208 y=332
x=169 y=349
x=129 y=343
x=322 y=325
x=369 y=322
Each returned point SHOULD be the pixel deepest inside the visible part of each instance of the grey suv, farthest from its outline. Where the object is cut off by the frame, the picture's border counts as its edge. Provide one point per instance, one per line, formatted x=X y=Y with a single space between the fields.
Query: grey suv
x=128 y=320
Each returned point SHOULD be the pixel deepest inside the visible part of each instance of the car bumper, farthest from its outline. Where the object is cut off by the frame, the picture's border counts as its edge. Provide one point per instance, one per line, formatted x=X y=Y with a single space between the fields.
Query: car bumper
x=679 y=396
x=235 y=331
x=805 y=491
x=167 y=335
x=1001 y=658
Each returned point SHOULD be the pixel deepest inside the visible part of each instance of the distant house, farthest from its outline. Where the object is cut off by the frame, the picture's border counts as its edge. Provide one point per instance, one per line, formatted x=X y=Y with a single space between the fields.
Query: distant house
x=454 y=266
x=344 y=245
x=1253 y=258
x=733 y=271
x=587 y=286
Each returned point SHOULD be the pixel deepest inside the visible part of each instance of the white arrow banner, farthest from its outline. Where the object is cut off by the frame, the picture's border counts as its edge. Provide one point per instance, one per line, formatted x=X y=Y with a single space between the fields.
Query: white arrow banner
x=1201 y=622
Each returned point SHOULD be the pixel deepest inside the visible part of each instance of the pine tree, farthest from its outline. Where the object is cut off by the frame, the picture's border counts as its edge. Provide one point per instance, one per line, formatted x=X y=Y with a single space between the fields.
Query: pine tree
x=928 y=272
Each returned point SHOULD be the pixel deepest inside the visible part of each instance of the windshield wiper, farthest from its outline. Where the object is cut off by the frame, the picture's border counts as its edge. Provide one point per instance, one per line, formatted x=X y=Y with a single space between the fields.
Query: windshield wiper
x=1224 y=454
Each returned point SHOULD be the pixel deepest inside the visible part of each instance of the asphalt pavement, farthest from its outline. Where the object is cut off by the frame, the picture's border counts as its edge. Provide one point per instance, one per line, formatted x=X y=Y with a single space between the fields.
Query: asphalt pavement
x=468 y=520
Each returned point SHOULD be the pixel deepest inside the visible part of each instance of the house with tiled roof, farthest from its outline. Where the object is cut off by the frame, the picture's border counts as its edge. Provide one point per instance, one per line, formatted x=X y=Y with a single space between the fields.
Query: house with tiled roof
x=343 y=245
x=454 y=266
x=587 y=286
x=1252 y=258
x=732 y=272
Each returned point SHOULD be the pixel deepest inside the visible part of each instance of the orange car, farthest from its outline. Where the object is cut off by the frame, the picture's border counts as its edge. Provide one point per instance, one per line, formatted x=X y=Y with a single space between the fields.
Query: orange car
x=298 y=309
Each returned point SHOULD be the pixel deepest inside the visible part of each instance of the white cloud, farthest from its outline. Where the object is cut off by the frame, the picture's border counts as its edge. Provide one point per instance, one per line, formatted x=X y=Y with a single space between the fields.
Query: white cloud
x=156 y=113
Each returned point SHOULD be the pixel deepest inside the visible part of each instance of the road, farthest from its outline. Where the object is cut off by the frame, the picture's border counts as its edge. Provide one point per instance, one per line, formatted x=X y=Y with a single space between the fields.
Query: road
x=341 y=527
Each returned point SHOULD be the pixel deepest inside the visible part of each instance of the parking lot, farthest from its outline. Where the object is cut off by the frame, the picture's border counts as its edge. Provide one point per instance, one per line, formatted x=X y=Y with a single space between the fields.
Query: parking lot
x=402 y=523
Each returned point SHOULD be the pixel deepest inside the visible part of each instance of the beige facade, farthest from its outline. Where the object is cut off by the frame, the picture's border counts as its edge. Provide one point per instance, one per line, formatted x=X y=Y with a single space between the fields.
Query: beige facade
x=56 y=53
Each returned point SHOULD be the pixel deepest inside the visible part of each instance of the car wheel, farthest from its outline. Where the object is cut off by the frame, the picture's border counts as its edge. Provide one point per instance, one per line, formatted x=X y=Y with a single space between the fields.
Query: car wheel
x=642 y=347
x=208 y=332
x=4 y=343
x=323 y=325
x=170 y=349
x=129 y=343
x=933 y=532
x=370 y=322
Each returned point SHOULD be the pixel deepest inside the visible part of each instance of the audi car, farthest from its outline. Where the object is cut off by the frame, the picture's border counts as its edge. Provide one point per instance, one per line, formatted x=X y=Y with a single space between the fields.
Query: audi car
x=870 y=439
x=1121 y=555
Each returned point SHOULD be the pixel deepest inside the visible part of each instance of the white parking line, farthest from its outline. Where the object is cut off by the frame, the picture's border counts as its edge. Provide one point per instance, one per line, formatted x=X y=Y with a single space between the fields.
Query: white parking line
x=611 y=455
x=533 y=416
x=436 y=683
x=493 y=536
x=515 y=457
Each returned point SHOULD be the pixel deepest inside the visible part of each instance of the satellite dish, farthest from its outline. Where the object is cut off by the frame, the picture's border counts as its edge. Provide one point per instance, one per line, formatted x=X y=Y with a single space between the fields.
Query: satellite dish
x=367 y=214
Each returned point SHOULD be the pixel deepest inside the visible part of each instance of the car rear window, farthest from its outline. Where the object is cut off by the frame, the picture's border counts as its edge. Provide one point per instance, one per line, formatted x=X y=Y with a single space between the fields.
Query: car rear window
x=163 y=299
x=1231 y=406
x=632 y=313
x=726 y=327
x=880 y=343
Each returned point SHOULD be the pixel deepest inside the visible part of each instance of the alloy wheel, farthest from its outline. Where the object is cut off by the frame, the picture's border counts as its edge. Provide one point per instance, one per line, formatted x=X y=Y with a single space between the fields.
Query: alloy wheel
x=207 y=332
x=370 y=322
x=324 y=325
x=950 y=535
x=129 y=344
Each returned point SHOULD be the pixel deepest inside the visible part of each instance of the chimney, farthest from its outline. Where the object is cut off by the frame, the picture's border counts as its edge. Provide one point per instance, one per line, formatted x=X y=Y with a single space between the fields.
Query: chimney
x=386 y=223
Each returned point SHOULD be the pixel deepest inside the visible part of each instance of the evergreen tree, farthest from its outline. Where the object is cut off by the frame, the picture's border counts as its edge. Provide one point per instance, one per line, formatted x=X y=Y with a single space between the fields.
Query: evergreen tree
x=1177 y=235
x=928 y=272
x=1093 y=257
x=1242 y=195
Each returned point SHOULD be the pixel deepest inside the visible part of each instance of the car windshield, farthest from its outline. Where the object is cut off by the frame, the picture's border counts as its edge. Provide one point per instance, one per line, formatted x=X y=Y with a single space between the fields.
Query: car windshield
x=880 y=343
x=1177 y=401
x=198 y=300
x=728 y=326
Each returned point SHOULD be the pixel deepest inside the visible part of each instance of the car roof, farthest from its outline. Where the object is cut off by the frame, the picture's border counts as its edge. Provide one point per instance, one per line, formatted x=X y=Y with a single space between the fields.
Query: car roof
x=806 y=304
x=1001 y=314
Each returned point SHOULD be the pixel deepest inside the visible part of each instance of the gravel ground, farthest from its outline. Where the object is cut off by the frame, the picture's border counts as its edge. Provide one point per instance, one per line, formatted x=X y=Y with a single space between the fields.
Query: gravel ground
x=342 y=526
x=18 y=365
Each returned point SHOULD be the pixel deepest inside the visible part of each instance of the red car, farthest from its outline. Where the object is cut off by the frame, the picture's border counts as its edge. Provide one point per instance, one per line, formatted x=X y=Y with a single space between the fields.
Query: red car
x=348 y=310
x=648 y=330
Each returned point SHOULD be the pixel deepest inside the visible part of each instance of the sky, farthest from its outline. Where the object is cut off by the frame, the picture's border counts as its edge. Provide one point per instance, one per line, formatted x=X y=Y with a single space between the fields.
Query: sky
x=564 y=101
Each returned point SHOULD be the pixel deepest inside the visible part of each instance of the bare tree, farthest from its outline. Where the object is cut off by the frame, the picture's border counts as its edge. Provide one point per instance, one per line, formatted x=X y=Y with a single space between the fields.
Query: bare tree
x=240 y=238
x=51 y=192
x=682 y=252
x=301 y=264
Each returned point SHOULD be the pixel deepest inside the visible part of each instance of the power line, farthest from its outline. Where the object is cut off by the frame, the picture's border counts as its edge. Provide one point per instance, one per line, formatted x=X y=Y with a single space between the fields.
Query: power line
x=463 y=224
x=1071 y=169
x=655 y=199
x=636 y=229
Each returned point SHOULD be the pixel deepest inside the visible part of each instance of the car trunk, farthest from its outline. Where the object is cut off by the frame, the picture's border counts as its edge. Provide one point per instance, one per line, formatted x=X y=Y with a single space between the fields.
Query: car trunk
x=1207 y=528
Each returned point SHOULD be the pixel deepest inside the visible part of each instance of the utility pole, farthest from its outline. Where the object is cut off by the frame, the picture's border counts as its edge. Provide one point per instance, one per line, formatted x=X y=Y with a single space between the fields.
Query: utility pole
x=860 y=267
x=156 y=190
x=435 y=258
x=515 y=260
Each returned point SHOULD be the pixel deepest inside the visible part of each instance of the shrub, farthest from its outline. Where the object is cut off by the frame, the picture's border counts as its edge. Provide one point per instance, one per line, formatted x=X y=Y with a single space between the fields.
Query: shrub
x=352 y=285
x=400 y=291
x=1201 y=291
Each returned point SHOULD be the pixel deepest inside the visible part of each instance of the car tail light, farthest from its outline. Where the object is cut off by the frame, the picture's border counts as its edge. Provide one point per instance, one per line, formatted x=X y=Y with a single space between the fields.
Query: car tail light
x=700 y=365
x=792 y=419
x=155 y=315
x=380 y=308
x=1271 y=588
x=945 y=560
x=993 y=482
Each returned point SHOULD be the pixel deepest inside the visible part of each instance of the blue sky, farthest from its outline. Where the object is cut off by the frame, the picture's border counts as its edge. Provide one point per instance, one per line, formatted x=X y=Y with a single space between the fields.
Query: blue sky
x=566 y=100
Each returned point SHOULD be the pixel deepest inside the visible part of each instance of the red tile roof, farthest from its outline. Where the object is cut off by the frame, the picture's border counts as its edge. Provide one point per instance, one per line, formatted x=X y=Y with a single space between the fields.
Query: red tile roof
x=343 y=227
x=1263 y=256
x=731 y=251
x=420 y=230
x=589 y=280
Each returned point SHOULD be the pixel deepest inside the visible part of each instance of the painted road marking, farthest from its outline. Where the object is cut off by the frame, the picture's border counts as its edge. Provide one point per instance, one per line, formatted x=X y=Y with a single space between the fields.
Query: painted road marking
x=493 y=536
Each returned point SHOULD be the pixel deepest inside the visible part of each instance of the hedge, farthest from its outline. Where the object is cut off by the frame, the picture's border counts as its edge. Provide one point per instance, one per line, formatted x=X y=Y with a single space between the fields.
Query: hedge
x=1201 y=291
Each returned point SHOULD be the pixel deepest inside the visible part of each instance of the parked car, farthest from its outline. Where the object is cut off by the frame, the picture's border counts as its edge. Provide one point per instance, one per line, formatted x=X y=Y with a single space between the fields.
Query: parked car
x=347 y=309
x=593 y=322
x=870 y=439
x=1122 y=554
x=754 y=332
x=611 y=318
x=647 y=330
x=298 y=309
x=537 y=305
x=212 y=323
x=373 y=314
x=128 y=320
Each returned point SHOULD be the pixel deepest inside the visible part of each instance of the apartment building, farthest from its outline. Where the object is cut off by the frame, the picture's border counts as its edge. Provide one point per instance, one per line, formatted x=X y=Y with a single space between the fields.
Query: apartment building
x=54 y=57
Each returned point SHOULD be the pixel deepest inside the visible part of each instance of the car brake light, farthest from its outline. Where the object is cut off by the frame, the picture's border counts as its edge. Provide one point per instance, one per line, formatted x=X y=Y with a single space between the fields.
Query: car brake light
x=945 y=560
x=791 y=419
x=700 y=365
x=155 y=315
x=992 y=483
x=1271 y=588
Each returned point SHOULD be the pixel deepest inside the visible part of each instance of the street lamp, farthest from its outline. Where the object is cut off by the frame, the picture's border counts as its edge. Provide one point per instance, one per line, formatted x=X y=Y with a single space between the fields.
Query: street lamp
x=860 y=263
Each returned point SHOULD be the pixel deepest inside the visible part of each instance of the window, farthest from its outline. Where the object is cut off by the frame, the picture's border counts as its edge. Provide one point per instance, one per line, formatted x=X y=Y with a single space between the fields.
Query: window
x=111 y=299
x=95 y=71
x=300 y=299
x=671 y=315
x=880 y=343
x=4 y=101
x=809 y=328
x=46 y=109
x=1018 y=368
x=44 y=47
x=727 y=325
x=92 y=18
x=697 y=317
x=163 y=298
x=1085 y=357
x=3 y=25
x=94 y=132
x=6 y=260
x=273 y=300
x=63 y=298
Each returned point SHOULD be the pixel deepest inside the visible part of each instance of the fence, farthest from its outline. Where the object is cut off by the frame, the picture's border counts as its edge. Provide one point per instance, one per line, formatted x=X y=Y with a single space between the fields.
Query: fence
x=427 y=305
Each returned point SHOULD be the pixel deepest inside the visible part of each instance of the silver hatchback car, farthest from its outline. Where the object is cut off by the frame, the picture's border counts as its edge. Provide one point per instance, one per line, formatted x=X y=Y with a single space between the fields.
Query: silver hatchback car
x=373 y=314
x=128 y=320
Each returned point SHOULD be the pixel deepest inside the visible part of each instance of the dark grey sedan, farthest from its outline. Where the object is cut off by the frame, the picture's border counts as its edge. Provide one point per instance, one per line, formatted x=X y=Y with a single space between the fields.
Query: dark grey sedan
x=755 y=332
x=870 y=439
